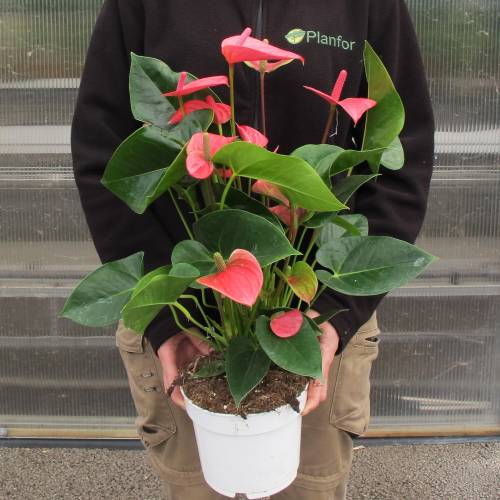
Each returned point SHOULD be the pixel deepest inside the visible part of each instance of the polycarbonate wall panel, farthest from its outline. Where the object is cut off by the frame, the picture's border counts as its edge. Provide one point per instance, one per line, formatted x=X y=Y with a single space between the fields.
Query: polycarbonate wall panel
x=436 y=372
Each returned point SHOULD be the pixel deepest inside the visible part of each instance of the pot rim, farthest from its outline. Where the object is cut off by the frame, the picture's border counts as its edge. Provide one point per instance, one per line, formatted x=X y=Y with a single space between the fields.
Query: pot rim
x=233 y=415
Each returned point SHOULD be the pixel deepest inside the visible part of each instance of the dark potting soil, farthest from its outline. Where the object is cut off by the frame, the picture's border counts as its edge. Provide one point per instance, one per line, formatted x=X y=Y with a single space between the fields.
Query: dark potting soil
x=276 y=389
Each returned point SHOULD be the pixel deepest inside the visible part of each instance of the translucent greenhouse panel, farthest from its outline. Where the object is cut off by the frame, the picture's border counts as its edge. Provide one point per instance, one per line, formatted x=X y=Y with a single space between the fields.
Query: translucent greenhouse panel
x=440 y=335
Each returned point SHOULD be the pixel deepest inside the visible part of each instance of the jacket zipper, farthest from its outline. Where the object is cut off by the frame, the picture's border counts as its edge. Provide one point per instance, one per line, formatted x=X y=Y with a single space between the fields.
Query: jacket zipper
x=258 y=34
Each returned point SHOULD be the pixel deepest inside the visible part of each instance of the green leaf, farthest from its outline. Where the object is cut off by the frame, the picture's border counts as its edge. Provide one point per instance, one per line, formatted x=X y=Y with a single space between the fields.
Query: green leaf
x=319 y=219
x=385 y=121
x=150 y=161
x=370 y=265
x=241 y=201
x=351 y=158
x=194 y=253
x=394 y=156
x=320 y=156
x=98 y=299
x=342 y=226
x=211 y=368
x=149 y=78
x=303 y=281
x=158 y=289
x=245 y=367
x=299 y=354
x=347 y=186
x=144 y=281
x=329 y=160
x=226 y=230
x=294 y=176
x=327 y=316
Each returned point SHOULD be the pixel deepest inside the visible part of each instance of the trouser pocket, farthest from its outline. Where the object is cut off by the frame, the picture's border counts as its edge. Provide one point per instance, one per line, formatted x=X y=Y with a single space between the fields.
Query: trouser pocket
x=154 y=422
x=350 y=408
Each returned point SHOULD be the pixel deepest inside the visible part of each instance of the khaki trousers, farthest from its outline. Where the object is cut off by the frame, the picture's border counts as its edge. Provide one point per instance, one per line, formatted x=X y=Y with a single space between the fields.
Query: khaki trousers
x=326 y=448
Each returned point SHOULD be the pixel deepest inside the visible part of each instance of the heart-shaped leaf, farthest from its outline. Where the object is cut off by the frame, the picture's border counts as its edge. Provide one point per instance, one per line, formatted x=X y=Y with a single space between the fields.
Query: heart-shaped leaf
x=99 y=297
x=320 y=156
x=342 y=226
x=295 y=177
x=246 y=366
x=158 y=289
x=319 y=219
x=148 y=79
x=299 y=354
x=394 y=156
x=370 y=265
x=226 y=230
x=239 y=200
x=211 y=368
x=194 y=253
x=347 y=186
x=327 y=316
x=150 y=161
x=350 y=158
x=303 y=281
x=385 y=121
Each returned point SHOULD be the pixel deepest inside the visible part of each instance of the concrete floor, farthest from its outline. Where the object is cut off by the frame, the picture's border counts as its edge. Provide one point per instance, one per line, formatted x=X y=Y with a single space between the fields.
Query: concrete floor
x=423 y=472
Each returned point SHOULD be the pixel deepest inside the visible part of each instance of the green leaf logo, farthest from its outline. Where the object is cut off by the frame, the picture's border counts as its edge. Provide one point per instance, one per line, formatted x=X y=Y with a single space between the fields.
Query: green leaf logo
x=295 y=36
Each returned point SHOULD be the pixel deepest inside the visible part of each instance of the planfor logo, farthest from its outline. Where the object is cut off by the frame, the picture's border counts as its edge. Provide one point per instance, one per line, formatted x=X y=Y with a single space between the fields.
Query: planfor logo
x=295 y=36
x=298 y=35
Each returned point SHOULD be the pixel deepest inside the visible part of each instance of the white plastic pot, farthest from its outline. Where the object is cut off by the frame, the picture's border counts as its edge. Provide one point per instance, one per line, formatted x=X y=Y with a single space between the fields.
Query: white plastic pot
x=258 y=456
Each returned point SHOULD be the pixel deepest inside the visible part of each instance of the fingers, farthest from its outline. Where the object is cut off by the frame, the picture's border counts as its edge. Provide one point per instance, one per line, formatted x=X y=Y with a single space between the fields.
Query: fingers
x=202 y=346
x=318 y=390
x=177 y=398
x=316 y=394
x=177 y=351
x=312 y=313
x=167 y=354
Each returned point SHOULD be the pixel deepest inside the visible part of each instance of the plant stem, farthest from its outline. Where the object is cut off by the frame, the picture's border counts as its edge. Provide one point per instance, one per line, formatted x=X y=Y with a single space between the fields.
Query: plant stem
x=314 y=237
x=231 y=97
x=181 y=105
x=186 y=329
x=205 y=317
x=226 y=190
x=190 y=318
x=320 y=291
x=181 y=215
x=262 y=102
x=329 y=122
x=220 y=129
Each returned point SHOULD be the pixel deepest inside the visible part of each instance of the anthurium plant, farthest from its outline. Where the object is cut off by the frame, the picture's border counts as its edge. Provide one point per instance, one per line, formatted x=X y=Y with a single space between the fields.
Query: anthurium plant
x=271 y=231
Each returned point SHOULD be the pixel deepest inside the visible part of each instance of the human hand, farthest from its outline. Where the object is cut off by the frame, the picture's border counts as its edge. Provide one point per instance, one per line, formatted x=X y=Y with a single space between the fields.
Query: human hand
x=176 y=352
x=328 y=342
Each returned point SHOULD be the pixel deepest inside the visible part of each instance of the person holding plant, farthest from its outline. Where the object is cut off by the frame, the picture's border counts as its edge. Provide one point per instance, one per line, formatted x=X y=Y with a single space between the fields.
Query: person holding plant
x=268 y=108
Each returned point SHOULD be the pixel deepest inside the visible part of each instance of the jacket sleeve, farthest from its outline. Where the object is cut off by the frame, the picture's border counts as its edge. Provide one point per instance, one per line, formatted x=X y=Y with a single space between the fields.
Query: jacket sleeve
x=395 y=205
x=102 y=120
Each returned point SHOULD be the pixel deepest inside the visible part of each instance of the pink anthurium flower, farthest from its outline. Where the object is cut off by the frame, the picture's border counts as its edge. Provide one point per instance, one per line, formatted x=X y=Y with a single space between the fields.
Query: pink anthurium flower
x=225 y=173
x=240 y=48
x=284 y=213
x=269 y=189
x=184 y=88
x=201 y=148
x=222 y=112
x=240 y=279
x=286 y=324
x=283 y=210
x=355 y=107
x=249 y=134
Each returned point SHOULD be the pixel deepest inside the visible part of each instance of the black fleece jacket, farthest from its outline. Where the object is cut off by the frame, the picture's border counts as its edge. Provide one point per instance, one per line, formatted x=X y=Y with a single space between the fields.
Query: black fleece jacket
x=187 y=36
